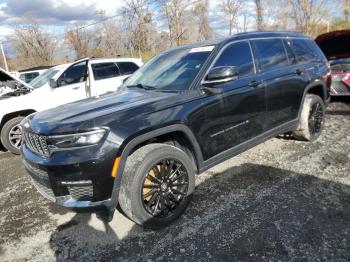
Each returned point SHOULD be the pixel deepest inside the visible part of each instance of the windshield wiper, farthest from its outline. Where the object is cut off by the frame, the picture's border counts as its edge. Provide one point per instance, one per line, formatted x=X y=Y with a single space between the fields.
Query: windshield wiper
x=142 y=86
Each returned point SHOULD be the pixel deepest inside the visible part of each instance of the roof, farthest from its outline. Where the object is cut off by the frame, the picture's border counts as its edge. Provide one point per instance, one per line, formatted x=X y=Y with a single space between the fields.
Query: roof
x=245 y=35
x=35 y=68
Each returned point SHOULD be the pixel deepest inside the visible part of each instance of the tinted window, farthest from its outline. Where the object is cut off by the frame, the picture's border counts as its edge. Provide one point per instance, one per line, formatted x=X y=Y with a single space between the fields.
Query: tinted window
x=238 y=55
x=306 y=50
x=29 y=77
x=127 y=68
x=105 y=70
x=74 y=74
x=270 y=53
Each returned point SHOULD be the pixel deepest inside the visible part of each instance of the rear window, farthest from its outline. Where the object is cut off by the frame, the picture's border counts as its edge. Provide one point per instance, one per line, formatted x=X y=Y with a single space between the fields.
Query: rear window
x=27 y=77
x=305 y=50
x=127 y=68
x=270 y=53
x=105 y=70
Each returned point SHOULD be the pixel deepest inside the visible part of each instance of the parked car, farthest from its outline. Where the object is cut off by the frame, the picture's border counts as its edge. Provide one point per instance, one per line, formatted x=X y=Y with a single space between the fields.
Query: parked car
x=186 y=110
x=27 y=75
x=336 y=46
x=60 y=85
x=11 y=86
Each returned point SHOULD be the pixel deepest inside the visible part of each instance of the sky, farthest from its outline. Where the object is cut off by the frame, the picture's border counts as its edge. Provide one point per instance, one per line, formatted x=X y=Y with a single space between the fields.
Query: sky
x=56 y=15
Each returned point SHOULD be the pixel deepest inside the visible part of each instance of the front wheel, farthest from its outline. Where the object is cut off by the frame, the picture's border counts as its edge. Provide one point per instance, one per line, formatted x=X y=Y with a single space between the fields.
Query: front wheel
x=11 y=135
x=312 y=119
x=156 y=185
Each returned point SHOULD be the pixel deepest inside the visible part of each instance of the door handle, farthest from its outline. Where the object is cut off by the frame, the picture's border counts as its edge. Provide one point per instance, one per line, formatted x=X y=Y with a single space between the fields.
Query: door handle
x=255 y=83
x=299 y=72
x=76 y=87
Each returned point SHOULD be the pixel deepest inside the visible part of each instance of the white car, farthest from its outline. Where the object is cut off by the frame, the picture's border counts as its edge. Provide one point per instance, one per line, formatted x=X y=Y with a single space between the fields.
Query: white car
x=29 y=74
x=60 y=85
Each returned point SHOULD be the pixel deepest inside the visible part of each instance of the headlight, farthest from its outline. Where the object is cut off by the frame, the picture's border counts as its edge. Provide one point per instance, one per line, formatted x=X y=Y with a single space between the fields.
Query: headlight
x=76 y=140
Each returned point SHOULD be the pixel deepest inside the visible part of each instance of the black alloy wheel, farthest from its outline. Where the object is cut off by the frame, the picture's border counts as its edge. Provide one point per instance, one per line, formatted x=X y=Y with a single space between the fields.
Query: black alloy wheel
x=316 y=118
x=164 y=187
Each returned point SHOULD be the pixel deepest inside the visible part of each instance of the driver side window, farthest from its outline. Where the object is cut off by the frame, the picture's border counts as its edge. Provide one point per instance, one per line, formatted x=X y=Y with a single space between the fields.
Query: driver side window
x=239 y=56
x=74 y=74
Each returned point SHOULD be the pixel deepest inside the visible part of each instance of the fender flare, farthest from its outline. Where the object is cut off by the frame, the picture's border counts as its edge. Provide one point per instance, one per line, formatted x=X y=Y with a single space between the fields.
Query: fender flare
x=313 y=84
x=144 y=137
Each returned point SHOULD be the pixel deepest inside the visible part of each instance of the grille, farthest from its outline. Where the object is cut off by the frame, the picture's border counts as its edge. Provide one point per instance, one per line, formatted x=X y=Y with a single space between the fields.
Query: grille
x=340 y=88
x=36 y=143
x=81 y=192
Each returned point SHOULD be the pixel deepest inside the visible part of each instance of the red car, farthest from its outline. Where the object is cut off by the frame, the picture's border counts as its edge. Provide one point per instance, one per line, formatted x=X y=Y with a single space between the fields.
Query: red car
x=336 y=46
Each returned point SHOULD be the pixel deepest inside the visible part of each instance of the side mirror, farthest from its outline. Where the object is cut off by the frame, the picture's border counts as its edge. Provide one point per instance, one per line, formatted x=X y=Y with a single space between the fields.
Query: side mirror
x=221 y=74
x=53 y=83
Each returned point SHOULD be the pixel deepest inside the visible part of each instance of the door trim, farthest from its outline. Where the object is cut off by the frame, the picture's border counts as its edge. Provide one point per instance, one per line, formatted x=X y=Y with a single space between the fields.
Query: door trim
x=291 y=125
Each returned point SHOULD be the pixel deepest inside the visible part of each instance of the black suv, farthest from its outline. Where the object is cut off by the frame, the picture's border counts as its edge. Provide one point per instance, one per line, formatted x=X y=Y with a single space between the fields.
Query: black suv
x=183 y=112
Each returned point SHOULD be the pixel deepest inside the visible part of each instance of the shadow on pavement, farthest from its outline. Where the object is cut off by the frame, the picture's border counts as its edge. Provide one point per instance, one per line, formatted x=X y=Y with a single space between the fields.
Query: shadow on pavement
x=251 y=212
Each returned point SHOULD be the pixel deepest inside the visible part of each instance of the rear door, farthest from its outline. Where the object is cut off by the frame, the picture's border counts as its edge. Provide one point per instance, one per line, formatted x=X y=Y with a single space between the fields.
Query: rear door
x=106 y=77
x=284 y=80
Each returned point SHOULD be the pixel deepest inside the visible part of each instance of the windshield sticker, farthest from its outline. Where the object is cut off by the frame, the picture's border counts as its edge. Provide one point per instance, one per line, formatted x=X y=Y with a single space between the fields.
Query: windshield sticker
x=202 y=49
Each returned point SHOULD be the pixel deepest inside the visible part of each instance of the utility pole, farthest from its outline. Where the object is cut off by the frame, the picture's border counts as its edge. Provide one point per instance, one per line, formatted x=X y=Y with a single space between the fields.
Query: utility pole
x=3 y=55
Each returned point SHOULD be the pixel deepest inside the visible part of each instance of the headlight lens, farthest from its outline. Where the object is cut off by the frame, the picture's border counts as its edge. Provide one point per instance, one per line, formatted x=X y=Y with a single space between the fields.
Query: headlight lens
x=76 y=140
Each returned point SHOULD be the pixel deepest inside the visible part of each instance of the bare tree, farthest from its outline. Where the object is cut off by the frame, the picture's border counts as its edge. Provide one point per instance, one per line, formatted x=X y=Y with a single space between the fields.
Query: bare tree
x=139 y=22
x=259 y=15
x=80 y=40
x=346 y=4
x=308 y=15
x=112 y=37
x=33 y=45
x=231 y=10
x=175 y=12
x=201 y=12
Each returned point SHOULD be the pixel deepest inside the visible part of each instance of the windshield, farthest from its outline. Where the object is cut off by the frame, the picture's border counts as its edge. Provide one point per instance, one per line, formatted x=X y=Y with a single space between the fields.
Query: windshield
x=43 y=78
x=172 y=70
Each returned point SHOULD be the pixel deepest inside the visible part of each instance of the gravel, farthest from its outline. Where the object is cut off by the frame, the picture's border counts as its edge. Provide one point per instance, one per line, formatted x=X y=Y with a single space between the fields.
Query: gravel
x=283 y=200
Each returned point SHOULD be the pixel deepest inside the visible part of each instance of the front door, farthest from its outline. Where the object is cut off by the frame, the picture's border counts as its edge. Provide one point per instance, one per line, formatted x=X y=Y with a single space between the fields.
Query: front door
x=237 y=112
x=70 y=85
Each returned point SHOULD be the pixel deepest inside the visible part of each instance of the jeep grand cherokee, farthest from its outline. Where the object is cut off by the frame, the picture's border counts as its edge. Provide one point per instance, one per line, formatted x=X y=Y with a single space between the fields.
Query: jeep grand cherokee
x=185 y=111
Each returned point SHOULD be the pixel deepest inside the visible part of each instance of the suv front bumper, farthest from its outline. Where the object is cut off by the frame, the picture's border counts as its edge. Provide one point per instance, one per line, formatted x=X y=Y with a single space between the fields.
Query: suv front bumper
x=84 y=184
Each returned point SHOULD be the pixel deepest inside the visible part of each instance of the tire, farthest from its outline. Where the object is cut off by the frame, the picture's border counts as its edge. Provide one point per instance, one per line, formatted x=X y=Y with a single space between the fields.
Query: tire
x=9 y=144
x=140 y=165
x=312 y=119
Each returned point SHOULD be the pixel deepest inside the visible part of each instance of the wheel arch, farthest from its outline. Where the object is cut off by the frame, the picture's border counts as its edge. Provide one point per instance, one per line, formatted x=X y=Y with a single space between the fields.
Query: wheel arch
x=165 y=134
x=316 y=87
x=11 y=115
x=180 y=134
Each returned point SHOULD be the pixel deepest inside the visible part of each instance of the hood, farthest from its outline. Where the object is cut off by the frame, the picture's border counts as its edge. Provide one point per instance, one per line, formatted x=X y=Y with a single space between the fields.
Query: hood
x=12 y=86
x=335 y=44
x=88 y=113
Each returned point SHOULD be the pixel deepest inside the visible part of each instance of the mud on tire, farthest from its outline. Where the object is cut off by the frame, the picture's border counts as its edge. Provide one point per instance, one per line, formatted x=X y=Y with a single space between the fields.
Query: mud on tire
x=157 y=184
x=311 y=120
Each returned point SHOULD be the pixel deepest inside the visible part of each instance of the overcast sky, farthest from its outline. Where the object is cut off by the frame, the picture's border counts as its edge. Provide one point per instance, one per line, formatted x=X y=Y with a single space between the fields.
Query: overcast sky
x=53 y=14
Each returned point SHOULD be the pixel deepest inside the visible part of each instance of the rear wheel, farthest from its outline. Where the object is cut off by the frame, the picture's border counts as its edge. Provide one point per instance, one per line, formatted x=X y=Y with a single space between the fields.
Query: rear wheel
x=312 y=119
x=157 y=184
x=11 y=135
